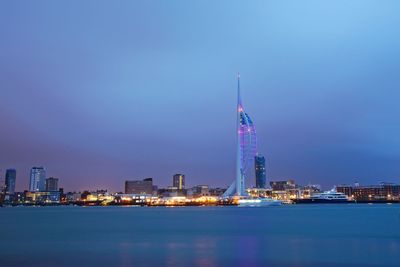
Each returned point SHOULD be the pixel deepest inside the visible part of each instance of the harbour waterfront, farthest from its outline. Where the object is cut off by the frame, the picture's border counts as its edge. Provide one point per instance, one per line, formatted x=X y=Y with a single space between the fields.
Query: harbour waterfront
x=291 y=235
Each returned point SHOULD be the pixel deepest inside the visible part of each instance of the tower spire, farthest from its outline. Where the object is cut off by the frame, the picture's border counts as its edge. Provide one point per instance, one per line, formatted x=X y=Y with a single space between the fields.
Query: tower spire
x=238 y=90
x=239 y=165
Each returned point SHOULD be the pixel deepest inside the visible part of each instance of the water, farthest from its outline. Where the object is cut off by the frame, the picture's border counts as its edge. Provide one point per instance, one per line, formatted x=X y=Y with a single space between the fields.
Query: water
x=293 y=235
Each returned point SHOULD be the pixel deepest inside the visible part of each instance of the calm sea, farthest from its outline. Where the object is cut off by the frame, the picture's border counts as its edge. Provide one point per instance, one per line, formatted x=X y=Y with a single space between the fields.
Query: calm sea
x=292 y=235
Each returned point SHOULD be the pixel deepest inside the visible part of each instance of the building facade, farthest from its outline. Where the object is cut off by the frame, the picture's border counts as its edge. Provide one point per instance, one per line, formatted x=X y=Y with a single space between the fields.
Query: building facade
x=37 y=179
x=172 y=191
x=51 y=184
x=261 y=176
x=382 y=192
x=11 y=176
x=201 y=190
x=42 y=197
x=178 y=181
x=139 y=186
x=282 y=185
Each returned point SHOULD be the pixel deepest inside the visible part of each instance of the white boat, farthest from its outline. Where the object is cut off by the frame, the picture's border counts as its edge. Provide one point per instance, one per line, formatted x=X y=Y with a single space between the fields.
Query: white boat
x=331 y=196
x=258 y=202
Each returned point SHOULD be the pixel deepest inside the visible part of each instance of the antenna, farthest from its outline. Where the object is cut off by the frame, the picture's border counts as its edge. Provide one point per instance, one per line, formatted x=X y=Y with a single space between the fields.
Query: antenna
x=238 y=91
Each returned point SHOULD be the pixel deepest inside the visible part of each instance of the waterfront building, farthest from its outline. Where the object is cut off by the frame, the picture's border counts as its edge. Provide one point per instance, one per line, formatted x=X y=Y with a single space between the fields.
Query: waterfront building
x=309 y=190
x=133 y=199
x=259 y=192
x=40 y=197
x=51 y=184
x=1 y=196
x=63 y=196
x=286 y=191
x=19 y=197
x=217 y=192
x=261 y=177
x=282 y=195
x=282 y=185
x=172 y=191
x=139 y=186
x=11 y=175
x=246 y=148
x=2 y=187
x=201 y=190
x=73 y=196
x=178 y=181
x=382 y=192
x=346 y=189
x=37 y=179
x=97 y=196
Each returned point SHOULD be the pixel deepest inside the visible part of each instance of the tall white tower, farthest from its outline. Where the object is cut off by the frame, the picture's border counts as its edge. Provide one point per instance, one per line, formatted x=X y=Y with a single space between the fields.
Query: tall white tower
x=246 y=148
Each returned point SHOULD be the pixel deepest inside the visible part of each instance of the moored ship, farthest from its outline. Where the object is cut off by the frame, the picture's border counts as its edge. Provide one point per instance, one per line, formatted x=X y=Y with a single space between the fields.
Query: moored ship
x=327 y=197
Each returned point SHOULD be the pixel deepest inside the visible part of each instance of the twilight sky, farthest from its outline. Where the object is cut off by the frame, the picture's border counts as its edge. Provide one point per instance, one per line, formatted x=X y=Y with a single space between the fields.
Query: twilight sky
x=103 y=91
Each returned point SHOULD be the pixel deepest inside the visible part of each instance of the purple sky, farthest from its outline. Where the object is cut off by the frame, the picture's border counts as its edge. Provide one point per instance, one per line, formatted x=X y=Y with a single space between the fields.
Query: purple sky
x=100 y=92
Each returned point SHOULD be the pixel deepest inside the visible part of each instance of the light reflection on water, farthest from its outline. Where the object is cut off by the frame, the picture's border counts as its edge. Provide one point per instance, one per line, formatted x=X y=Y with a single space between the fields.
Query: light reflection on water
x=337 y=235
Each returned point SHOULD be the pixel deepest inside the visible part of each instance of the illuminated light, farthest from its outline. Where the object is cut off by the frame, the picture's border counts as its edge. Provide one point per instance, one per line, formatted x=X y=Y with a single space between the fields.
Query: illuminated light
x=249 y=201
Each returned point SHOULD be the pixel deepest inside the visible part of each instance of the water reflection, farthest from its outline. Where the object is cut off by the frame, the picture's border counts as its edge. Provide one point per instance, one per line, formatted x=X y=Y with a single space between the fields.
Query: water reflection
x=288 y=236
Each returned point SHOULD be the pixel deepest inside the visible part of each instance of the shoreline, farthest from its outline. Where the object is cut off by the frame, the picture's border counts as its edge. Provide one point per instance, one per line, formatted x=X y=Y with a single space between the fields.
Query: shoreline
x=362 y=203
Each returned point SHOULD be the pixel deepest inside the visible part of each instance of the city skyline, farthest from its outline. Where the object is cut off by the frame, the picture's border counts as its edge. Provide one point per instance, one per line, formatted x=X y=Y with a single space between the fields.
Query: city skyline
x=199 y=133
x=142 y=94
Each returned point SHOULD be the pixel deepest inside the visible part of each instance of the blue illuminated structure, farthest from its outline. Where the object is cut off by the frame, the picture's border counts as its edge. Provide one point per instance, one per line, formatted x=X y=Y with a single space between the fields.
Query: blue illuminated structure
x=261 y=177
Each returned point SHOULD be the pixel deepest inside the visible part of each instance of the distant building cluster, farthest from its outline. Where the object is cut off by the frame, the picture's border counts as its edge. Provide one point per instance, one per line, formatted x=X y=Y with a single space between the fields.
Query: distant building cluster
x=144 y=192
x=45 y=190
x=41 y=189
x=286 y=191
x=178 y=188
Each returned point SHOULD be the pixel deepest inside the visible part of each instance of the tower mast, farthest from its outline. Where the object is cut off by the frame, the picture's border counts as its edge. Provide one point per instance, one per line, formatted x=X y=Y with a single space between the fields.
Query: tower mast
x=239 y=167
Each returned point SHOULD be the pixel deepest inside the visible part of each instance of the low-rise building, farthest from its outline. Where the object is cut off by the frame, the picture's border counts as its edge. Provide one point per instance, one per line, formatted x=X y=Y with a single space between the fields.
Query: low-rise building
x=282 y=185
x=171 y=191
x=382 y=192
x=201 y=190
x=73 y=196
x=139 y=186
x=42 y=197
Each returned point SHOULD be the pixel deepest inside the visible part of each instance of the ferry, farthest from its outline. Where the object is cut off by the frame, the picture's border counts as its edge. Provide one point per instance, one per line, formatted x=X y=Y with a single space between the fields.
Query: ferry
x=258 y=202
x=327 y=197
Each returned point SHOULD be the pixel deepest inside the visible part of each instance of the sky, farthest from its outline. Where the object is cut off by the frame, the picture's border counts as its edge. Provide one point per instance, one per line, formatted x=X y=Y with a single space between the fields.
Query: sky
x=100 y=92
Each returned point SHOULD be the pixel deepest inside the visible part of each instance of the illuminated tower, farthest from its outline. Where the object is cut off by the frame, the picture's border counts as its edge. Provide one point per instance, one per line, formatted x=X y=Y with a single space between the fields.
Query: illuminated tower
x=261 y=177
x=246 y=148
x=11 y=175
x=37 y=179
x=178 y=181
